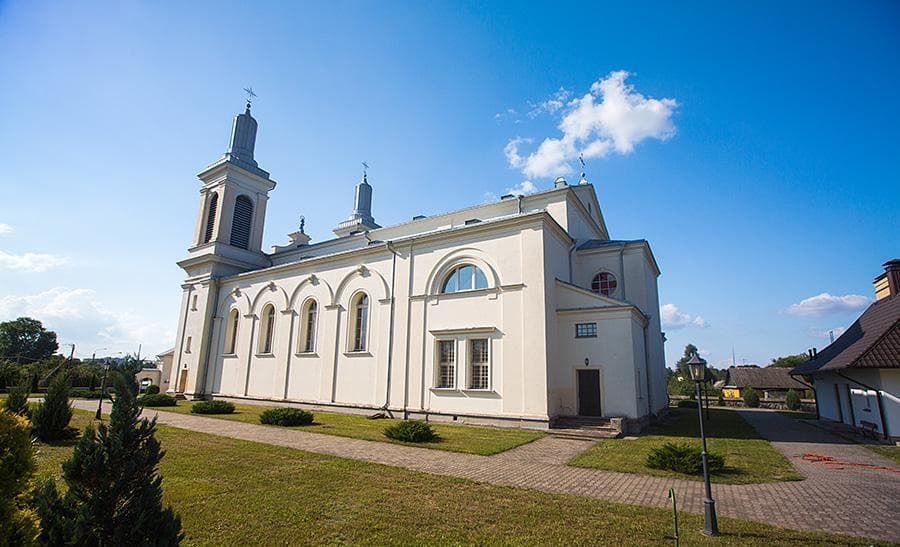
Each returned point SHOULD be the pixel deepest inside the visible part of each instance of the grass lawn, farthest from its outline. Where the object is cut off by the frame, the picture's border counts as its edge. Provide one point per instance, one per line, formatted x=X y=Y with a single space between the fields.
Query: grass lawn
x=231 y=492
x=454 y=438
x=749 y=458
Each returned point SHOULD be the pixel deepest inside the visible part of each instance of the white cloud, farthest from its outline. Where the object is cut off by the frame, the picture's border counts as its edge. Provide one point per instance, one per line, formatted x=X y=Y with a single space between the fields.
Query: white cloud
x=523 y=188
x=825 y=304
x=612 y=117
x=5 y=228
x=77 y=315
x=826 y=333
x=673 y=319
x=30 y=262
x=552 y=104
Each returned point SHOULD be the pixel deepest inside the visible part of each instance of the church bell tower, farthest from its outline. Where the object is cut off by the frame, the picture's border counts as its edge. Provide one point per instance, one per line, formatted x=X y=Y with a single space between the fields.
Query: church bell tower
x=227 y=241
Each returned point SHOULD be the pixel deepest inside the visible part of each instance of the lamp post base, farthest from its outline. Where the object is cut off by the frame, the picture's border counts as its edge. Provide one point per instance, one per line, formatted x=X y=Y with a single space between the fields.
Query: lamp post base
x=711 y=524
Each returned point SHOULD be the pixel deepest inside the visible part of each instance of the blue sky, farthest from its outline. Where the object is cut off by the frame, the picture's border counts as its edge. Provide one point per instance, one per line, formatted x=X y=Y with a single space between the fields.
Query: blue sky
x=777 y=180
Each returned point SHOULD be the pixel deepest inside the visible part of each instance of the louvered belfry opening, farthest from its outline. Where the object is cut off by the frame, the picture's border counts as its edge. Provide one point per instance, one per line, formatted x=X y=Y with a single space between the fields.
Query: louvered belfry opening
x=240 y=226
x=211 y=218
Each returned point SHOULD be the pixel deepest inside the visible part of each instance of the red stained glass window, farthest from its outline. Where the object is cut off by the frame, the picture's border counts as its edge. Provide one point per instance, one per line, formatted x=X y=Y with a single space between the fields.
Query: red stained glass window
x=604 y=283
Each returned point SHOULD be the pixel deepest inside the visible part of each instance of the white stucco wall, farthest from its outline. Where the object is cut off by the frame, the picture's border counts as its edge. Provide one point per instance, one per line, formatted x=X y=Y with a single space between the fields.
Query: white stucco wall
x=864 y=404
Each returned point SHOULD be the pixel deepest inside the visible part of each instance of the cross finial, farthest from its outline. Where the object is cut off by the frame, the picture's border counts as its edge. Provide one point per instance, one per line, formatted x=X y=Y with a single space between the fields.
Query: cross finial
x=302 y=224
x=365 y=170
x=250 y=95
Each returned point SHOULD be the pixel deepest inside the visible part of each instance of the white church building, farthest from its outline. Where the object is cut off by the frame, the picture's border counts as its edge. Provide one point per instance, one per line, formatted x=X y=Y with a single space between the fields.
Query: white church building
x=517 y=312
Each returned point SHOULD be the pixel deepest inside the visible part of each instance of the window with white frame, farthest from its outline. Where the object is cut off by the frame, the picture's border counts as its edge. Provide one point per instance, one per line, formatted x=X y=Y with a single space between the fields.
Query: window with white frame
x=359 y=322
x=446 y=377
x=479 y=364
x=231 y=332
x=308 y=330
x=585 y=330
x=267 y=329
x=464 y=278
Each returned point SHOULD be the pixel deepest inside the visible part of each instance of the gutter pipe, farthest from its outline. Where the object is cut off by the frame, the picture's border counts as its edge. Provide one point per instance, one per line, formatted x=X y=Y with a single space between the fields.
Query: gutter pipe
x=884 y=432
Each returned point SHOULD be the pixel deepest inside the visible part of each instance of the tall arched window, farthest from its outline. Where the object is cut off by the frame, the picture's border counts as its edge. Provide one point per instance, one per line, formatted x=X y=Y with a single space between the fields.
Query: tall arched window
x=360 y=321
x=604 y=283
x=231 y=332
x=308 y=331
x=464 y=278
x=211 y=217
x=267 y=329
x=240 y=225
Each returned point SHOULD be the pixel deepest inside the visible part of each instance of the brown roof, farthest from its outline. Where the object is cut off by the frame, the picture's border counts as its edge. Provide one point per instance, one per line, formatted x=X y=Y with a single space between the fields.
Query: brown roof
x=762 y=378
x=872 y=341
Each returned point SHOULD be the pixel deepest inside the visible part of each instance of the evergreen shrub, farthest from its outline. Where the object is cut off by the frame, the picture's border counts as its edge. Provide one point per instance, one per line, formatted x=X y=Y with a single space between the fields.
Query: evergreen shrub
x=212 y=407
x=683 y=458
x=411 y=431
x=287 y=417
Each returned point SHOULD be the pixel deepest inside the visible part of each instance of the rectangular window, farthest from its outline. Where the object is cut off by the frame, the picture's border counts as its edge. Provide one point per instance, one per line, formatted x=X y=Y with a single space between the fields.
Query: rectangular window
x=480 y=365
x=585 y=330
x=446 y=364
x=187 y=345
x=194 y=303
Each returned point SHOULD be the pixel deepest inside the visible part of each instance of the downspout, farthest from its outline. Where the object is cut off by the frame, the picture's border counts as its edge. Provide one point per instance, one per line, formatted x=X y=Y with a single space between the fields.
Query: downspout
x=622 y=270
x=390 y=359
x=519 y=204
x=572 y=250
x=814 y=390
x=884 y=432
x=647 y=370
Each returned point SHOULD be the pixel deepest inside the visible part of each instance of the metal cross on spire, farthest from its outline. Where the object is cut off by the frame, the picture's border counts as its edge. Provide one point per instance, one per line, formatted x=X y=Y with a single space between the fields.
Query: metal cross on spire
x=581 y=159
x=250 y=95
x=365 y=170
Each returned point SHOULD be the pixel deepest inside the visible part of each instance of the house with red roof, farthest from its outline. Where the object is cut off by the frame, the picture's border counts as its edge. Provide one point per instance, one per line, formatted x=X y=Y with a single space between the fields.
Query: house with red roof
x=857 y=377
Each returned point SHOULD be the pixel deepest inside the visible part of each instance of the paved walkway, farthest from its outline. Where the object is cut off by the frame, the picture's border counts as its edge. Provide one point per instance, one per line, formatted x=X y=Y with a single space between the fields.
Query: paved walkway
x=845 y=499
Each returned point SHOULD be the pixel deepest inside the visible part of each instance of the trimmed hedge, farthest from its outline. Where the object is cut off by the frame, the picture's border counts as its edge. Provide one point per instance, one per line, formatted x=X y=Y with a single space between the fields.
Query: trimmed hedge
x=87 y=394
x=287 y=417
x=212 y=407
x=684 y=458
x=411 y=431
x=687 y=403
x=156 y=399
x=152 y=389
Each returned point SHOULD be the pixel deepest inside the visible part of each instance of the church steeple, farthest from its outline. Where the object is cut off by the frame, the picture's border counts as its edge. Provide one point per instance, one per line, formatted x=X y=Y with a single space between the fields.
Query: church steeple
x=243 y=138
x=361 y=219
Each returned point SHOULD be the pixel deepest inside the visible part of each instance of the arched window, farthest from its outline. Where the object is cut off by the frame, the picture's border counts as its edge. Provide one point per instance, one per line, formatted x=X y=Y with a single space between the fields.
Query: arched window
x=267 y=329
x=308 y=330
x=231 y=332
x=360 y=321
x=464 y=278
x=604 y=283
x=211 y=217
x=240 y=225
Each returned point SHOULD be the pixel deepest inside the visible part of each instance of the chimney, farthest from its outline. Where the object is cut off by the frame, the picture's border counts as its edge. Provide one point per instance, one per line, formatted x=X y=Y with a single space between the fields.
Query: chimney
x=888 y=283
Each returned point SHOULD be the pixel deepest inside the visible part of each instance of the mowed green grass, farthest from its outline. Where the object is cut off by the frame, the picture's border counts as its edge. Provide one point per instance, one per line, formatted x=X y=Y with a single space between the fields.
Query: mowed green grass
x=749 y=458
x=454 y=438
x=232 y=492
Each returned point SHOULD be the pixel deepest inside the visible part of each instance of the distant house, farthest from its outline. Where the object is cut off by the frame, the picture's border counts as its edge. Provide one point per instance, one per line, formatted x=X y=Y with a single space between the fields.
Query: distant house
x=857 y=377
x=770 y=382
x=158 y=374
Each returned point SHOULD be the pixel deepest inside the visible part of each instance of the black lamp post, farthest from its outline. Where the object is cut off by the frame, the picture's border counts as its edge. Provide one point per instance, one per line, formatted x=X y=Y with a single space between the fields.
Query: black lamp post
x=697 y=368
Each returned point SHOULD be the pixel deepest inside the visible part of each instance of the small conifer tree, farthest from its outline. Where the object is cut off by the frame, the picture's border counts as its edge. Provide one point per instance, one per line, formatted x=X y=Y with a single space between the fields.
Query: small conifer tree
x=114 y=492
x=51 y=417
x=17 y=401
x=751 y=398
x=18 y=523
x=792 y=401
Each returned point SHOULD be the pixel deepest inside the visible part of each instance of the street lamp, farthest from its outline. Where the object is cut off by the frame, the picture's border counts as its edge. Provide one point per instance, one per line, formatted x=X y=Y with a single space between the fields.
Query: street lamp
x=697 y=368
x=98 y=416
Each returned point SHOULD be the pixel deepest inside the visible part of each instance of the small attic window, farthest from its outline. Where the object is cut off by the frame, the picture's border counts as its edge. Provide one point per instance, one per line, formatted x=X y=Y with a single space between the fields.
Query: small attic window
x=419 y=217
x=507 y=196
x=472 y=221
